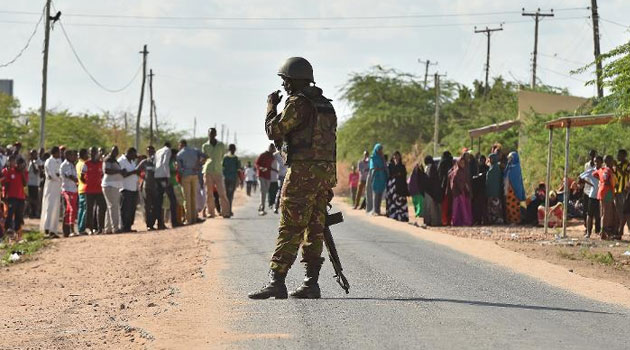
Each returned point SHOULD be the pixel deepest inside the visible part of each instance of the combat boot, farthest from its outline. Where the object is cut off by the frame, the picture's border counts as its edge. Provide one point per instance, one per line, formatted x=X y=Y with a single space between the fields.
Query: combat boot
x=310 y=288
x=275 y=288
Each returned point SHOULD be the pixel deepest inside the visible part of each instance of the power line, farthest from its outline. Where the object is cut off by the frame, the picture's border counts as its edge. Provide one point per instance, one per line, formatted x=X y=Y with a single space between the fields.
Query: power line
x=336 y=18
x=76 y=55
x=435 y=25
x=555 y=56
x=28 y=43
x=562 y=74
x=615 y=23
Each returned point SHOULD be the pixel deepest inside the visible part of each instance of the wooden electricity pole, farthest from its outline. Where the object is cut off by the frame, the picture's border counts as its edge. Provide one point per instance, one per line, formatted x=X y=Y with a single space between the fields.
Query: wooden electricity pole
x=42 y=111
x=537 y=15
x=426 y=63
x=144 y=53
x=488 y=33
x=598 y=64
x=151 y=107
x=436 y=123
x=157 y=129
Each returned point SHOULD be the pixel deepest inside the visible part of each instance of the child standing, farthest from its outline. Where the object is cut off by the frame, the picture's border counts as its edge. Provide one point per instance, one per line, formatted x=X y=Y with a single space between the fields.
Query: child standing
x=353 y=181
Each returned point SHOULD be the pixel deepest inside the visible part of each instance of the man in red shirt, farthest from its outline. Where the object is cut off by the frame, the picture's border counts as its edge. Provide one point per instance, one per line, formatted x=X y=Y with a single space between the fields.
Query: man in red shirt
x=605 y=194
x=14 y=178
x=92 y=175
x=264 y=167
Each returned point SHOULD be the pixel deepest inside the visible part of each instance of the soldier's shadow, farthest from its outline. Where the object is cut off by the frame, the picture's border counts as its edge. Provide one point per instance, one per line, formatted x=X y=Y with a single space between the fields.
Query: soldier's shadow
x=478 y=303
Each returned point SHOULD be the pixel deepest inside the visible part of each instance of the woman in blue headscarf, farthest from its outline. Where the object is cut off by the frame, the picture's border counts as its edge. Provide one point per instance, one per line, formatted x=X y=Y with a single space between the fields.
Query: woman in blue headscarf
x=514 y=189
x=379 y=177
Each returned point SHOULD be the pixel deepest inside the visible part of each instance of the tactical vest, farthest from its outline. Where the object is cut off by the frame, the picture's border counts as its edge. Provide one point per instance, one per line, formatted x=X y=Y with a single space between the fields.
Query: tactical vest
x=316 y=139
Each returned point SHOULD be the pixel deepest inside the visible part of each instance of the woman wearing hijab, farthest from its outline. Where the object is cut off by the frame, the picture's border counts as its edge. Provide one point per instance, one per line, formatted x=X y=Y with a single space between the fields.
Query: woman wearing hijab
x=460 y=188
x=417 y=185
x=432 y=194
x=379 y=177
x=445 y=165
x=493 y=190
x=398 y=208
x=514 y=189
x=479 y=198
x=390 y=187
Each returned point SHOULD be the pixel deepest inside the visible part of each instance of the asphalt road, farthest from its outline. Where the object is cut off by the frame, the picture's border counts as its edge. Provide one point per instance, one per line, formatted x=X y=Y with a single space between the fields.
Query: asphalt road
x=406 y=293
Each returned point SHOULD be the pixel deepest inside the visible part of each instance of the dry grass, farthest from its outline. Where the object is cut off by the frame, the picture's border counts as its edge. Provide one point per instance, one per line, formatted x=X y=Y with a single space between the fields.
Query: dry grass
x=343 y=171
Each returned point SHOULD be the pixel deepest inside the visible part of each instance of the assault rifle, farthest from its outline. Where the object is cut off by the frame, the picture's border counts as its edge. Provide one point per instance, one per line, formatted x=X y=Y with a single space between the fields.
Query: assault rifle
x=333 y=219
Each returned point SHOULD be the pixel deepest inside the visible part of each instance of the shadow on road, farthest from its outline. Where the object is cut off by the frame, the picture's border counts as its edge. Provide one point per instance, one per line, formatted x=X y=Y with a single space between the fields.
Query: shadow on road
x=480 y=303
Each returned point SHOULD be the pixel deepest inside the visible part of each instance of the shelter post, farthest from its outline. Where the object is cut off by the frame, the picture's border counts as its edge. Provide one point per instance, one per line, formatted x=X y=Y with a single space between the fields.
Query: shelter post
x=567 y=191
x=548 y=180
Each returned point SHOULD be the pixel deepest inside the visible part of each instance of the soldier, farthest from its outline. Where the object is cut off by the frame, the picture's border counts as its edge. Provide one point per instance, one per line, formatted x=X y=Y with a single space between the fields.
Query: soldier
x=307 y=128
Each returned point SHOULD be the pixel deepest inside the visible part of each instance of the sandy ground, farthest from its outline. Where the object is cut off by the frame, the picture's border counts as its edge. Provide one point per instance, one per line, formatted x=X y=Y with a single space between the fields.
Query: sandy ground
x=118 y=292
x=583 y=279
x=152 y=290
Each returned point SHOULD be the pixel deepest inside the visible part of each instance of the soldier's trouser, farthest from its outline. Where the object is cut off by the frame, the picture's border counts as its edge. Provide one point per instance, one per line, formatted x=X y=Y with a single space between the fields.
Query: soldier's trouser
x=303 y=215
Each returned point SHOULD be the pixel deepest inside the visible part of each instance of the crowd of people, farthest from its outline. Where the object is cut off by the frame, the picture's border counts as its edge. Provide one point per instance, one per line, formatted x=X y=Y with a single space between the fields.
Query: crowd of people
x=478 y=190
x=94 y=191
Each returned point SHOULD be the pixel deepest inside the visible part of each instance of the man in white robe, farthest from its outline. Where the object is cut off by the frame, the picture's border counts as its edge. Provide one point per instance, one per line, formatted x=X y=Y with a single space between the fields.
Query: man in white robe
x=51 y=198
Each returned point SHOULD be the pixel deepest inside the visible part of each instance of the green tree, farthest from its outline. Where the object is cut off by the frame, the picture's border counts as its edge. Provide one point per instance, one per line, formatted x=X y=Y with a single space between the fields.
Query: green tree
x=615 y=77
x=11 y=127
x=473 y=109
x=389 y=107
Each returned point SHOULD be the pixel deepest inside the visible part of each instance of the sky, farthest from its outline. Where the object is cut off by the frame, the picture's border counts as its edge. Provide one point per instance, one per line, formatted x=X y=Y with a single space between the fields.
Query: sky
x=216 y=60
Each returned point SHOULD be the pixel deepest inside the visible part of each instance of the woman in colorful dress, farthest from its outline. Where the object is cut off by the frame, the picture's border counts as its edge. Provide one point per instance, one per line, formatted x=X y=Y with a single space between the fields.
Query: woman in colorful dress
x=514 y=189
x=461 y=189
x=398 y=207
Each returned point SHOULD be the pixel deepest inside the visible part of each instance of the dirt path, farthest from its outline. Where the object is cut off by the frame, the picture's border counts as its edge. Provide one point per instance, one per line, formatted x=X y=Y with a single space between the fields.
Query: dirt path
x=130 y=291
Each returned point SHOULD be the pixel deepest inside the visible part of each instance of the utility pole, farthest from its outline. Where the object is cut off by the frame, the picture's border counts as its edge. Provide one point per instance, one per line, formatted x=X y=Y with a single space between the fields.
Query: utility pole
x=426 y=63
x=598 y=64
x=488 y=33
x=42 y=111
x=126 y=123
x=235 y=138
x=151 y=107
x=144 y=53
x=436 y=125
x=222 y=132
x=195 y=128
x=157 y=131
x=537 y=15
x=227 y=136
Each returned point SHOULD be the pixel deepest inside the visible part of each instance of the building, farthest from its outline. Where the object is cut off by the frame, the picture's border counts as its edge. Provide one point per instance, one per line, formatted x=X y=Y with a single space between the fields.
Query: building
x=6 y=86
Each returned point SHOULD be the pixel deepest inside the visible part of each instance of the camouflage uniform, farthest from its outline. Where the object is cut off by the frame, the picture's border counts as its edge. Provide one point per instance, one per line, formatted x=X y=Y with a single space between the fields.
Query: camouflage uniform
x=307 y=126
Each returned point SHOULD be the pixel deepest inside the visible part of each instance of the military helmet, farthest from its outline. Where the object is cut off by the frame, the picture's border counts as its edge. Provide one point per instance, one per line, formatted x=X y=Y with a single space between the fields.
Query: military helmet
x=297 y=68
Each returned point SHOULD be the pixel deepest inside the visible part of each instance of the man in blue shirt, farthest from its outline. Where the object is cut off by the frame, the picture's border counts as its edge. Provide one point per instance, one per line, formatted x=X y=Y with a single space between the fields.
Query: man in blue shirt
x=188 y=168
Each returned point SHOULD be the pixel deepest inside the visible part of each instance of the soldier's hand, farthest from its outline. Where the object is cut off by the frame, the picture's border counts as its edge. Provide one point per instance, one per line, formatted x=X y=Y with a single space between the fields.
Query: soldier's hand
x=274 y=98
